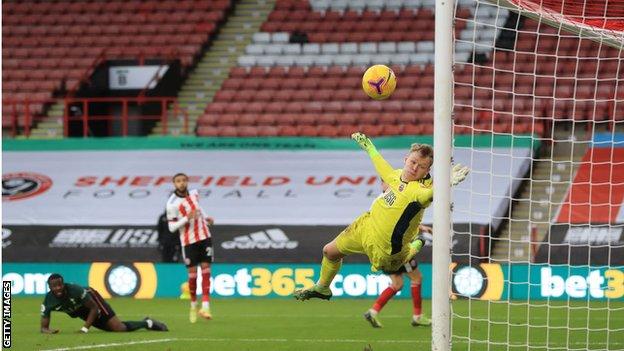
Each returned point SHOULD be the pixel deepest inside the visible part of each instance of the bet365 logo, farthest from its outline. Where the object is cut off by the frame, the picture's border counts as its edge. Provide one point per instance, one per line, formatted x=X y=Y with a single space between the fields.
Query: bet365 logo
x=608 y=284
x=18 y=186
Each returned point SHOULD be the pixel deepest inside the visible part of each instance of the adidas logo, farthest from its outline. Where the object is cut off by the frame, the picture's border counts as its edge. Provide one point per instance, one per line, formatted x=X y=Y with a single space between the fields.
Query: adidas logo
x=266 y=239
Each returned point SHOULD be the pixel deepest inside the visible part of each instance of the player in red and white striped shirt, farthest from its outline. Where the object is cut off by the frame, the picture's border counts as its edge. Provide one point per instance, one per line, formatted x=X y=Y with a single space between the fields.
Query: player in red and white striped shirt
x=186 y=216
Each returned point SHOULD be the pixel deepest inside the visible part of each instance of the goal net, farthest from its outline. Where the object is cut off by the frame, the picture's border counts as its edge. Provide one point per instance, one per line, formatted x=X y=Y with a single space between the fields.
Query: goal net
x=539 y=87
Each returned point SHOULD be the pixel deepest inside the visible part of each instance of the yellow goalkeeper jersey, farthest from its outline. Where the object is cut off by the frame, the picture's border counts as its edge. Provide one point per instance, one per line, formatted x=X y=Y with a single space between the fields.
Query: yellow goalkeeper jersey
x=396 y=214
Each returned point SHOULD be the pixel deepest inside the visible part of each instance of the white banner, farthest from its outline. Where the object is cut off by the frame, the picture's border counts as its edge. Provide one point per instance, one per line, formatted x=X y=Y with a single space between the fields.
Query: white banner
x=238 y=187
x=135 y=77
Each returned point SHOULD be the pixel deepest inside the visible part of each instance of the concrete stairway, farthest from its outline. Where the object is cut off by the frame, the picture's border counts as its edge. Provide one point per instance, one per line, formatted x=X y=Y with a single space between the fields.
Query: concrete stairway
x=206 y=79
x=51 y=127
x=540 y=196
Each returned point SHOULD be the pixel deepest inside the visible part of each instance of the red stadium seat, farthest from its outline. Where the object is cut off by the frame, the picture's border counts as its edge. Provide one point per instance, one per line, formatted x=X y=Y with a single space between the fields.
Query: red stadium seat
x=368 y=118
x=328 y=131
x=391 y=129
x=227 y=131
x=207 y=131
x=286 y=119
x=327 y=119
x=266 y=119
x=318 y=95
x=353 y=106
x=288 y=130
x=347 y=118
x=293 y=107
x=275 y=107
x=246 y=119
x=263 y=95
x=308 y=131
x=305 y=95
x=266 y=131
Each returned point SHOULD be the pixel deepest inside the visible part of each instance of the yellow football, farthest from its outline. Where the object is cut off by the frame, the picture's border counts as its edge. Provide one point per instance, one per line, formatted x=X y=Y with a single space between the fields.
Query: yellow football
x=379 y=82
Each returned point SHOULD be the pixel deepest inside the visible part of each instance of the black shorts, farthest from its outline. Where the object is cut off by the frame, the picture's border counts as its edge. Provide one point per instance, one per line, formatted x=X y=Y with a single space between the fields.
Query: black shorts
x=408 y=267
x=197 y=252
x=105 y=311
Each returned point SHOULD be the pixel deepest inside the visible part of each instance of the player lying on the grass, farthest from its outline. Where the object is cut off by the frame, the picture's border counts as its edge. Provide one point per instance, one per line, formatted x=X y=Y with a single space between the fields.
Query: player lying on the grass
x=411 y=270
x=88 y=305
x=387 y=231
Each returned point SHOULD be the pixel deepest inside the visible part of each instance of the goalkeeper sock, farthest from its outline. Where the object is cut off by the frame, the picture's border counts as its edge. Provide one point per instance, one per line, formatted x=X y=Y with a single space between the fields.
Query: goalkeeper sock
x=416 y=299
x=329 y=269
x=134 y=325
x=383 y=299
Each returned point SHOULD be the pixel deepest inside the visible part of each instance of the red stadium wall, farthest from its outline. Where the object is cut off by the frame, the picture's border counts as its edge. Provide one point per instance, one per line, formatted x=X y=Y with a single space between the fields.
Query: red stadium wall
x=598 y=189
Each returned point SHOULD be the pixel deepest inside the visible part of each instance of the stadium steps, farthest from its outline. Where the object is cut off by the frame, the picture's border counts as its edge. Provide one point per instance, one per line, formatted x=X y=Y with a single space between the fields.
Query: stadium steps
x=540 y=197
x=213 y=68
x=51 y=127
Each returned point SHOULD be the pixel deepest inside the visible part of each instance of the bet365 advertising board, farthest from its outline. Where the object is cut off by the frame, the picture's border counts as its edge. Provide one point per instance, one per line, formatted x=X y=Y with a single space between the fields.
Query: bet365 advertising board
x=484 y=281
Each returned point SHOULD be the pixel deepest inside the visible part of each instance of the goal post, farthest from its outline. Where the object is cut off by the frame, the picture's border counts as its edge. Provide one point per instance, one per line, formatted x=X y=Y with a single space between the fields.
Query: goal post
x=442 y=135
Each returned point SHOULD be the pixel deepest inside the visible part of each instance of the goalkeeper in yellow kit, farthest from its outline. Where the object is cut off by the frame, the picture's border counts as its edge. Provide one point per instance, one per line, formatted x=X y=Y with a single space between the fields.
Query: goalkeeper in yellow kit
x=387 y=232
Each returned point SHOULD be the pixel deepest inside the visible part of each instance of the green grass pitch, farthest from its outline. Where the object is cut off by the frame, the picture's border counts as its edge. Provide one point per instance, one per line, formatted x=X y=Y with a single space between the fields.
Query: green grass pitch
x=280 y=324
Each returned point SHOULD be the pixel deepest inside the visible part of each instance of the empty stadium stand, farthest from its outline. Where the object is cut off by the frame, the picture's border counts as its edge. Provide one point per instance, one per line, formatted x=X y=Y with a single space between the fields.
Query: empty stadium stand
x=313 y=88
x=300 y=75
x=50 y=47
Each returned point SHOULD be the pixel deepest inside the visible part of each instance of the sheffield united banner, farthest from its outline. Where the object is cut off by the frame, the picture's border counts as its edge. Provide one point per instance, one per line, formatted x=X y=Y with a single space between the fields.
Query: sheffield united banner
x=238 y=187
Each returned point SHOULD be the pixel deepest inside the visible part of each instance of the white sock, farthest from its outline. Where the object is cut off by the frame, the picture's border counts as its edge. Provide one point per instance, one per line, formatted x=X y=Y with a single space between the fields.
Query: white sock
x=193 y=304
x=373 y=312
x=416 y=316
x=205 y=304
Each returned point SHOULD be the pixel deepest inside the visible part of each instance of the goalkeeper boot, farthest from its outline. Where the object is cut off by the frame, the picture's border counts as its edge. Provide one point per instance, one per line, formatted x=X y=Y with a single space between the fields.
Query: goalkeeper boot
x=315 y=292
x=205 y=313
x=193 y=315
x=420 y=320
x=372 y=319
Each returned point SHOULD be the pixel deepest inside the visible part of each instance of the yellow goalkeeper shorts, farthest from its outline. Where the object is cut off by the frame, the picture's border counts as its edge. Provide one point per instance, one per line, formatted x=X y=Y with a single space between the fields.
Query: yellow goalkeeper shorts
x=360 y=237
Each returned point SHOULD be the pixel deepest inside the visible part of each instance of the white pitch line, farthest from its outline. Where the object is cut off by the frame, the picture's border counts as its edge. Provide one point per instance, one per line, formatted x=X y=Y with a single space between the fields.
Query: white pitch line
x=87 y=347
x=129 y=343
x=334 y=341
x=296 y=340
x=383 y=341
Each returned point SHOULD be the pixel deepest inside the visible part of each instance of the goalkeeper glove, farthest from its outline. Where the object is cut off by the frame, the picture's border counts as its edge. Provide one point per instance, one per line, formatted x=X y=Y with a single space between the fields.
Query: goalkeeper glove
x=459 y=173
x=365 y=143
x=416 y=246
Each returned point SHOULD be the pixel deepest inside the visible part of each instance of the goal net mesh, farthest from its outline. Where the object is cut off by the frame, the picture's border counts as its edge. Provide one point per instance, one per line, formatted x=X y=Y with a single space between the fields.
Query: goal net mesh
x=539 y=86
